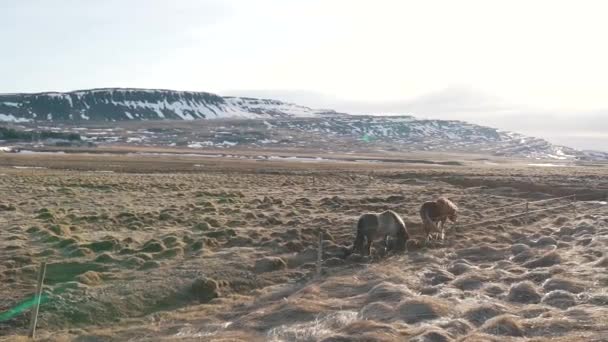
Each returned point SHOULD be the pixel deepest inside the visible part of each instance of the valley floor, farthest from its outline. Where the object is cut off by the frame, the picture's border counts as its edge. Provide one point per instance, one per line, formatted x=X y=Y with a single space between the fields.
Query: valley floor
x=165 y=247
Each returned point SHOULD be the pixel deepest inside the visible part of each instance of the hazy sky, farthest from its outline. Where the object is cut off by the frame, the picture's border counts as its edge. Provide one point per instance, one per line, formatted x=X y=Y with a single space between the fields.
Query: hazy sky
x=460 y=59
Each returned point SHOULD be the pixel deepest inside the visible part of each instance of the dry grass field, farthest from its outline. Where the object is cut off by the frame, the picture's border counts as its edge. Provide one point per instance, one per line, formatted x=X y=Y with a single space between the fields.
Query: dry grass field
x=187 y=248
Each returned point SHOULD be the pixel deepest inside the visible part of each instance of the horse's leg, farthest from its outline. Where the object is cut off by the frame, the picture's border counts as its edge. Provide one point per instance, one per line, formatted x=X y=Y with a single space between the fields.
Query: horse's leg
x=386 y=243
x=437 y=232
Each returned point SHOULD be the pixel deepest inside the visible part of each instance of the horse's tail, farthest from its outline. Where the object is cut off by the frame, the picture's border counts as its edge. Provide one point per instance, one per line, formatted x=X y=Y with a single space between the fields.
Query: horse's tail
x=401 y=233
x=359 y=238
x=427 y=222
x=402 y=237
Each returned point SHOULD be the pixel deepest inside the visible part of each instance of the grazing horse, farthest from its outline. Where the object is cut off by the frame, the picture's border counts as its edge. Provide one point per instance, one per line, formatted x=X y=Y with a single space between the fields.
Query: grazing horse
x=384 y=225
x=436 y=212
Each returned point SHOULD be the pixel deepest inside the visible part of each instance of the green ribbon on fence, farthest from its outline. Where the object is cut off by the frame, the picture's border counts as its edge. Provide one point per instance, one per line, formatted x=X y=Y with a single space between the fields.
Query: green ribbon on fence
x=21 y=307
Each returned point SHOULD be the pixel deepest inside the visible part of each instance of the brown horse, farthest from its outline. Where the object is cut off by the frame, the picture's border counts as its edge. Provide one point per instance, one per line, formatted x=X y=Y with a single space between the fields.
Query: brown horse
x=433 y=213
x=384 y=225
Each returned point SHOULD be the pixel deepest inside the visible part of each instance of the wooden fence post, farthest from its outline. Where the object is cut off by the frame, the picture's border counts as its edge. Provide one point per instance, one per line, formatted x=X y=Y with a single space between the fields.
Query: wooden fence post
x=36 y=307
x=320 y=255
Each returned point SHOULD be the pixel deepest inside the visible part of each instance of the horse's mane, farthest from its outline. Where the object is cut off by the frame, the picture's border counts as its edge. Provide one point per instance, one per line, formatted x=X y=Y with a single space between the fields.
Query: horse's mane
x=394 y=215
x=446 y=205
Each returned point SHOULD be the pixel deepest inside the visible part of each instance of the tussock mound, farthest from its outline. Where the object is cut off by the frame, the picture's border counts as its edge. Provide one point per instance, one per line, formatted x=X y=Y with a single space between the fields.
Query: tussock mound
x=106 y=258
x=313 y=330
x=563 y=284
x=60 y=272
x=519 y=248
x=524 y=256
x=286 y=313
x=457 y=327
x=7 y=207
x=388 y=292
x=422 y=308
x=377 y=311
x=204 y=289
x=412 y=245
x=533 y=310
x=343 y=338
x=584 y=228
x=150 y=264
x=362 y=331
x=524 y=292
x=545 y=241
x=459 y=268
x=269 y=264
x=365 y=327
x=60 y=229
x=153 y=246
x=303 y=257
x=537 y=276
x=469 y=282
x=505 y=325
x=601 y=300
x=333 y=262
x=437 y=276
x=565 y=231
x=434 y=335
x=561 y=323
x=293 y=246
x=559 y=299
x=549 y=259
x=357 y=258
x=239 y=241
x=482 y=253
x=603 y=262
x=560 y=220
x=494 y=290
x=502 y=265
x=584 y=240
x=90 y=278
x=480 y=314
x=346 y=287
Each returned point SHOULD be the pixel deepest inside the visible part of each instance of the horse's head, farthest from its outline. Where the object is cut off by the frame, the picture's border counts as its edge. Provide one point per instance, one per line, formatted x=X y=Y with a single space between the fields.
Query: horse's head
x=355 y=249
x=358 y=247
x=453 y=216
x=347 y=253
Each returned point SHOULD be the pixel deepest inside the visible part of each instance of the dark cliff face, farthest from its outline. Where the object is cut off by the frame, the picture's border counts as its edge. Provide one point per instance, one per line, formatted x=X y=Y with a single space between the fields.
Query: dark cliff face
x=111 y=105
x=114 y=104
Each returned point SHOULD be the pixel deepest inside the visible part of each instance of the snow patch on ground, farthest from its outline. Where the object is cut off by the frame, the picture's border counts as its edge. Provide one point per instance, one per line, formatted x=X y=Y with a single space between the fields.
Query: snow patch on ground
x=200 y=144
x=11 y=118
x=11 y=104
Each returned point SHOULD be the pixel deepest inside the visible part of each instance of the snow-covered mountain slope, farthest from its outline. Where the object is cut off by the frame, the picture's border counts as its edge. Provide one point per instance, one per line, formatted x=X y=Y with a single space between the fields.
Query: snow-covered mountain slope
x=412 y=134
x=282 y=124
x=337 y=133
x=117 y=104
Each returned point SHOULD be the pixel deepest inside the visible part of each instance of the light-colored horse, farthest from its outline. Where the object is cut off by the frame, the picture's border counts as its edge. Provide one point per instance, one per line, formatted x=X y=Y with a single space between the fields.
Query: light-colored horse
x=384 y=225
x=435 y=214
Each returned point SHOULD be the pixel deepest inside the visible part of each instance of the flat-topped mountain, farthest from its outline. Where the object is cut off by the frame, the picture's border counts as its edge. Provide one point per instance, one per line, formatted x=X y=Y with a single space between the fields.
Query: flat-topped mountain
x=118 y=104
